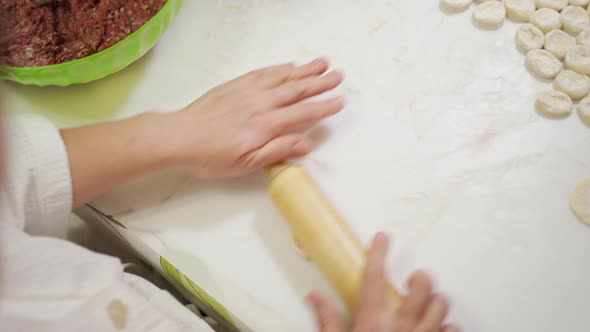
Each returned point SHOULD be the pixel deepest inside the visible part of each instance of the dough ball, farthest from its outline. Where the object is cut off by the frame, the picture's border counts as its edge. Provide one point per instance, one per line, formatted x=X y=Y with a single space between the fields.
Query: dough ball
x=584 y=110
x=574 y=19
x=543 y=63
x=578 y=59
x=456 y=5
x=552 y=4
x=559 y=43
x=581 y=3
x=583 y=37
x=575 y=85
x=520 y=10
x=489 y=15
x=529 y=37
x=580 y=201
x=546 y=19
x=554 y=104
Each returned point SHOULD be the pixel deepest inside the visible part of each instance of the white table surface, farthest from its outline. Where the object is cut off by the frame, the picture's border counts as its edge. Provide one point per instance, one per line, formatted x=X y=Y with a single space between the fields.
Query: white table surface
x=439 y=144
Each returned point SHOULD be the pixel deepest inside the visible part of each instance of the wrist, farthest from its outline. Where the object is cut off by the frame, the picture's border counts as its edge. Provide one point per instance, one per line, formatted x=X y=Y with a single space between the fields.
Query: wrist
x=157 y=140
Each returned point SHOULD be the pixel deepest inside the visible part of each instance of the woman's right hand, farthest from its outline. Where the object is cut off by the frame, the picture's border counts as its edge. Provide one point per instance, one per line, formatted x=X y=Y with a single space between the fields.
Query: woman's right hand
x=422 y=310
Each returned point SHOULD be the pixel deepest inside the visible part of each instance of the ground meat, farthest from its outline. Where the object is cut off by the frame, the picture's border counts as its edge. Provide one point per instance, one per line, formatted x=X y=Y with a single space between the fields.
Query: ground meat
x=61 y=31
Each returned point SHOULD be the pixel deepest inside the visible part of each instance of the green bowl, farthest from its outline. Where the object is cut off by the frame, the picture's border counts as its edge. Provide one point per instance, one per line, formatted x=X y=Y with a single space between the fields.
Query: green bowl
x=103 y=63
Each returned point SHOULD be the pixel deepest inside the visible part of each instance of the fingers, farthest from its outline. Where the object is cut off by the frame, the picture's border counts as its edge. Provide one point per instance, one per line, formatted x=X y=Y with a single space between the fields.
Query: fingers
x=300 y=115
x=418 y=298
x=327 y=315
x=297 y=90
x=373 y=298
x=315 y=68
x=276 y=151
x=274 y=76
x=434 y=316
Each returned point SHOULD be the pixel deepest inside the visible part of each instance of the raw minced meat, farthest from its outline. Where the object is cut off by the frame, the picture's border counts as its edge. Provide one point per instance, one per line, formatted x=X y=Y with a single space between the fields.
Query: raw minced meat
x=60 y=31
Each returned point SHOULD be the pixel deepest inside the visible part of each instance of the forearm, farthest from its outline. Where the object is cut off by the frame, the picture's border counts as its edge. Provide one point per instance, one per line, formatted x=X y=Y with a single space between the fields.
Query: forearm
x=105 y=155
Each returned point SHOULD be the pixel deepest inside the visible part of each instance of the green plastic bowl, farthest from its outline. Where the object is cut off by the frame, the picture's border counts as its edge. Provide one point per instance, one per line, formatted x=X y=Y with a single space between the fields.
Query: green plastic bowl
x=103 y=63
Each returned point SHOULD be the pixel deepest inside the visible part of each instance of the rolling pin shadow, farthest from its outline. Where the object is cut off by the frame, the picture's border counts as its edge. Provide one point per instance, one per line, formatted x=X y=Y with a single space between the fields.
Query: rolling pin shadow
x=321 y=232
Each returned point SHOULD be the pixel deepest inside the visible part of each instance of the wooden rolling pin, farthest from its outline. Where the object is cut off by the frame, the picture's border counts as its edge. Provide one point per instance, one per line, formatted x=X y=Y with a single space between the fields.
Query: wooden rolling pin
x=321 y=233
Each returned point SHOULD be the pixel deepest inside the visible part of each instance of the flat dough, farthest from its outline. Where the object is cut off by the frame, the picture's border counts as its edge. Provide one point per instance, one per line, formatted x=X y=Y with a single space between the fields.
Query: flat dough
x=543 y=63
x=580 y=201
x=489 y=15
x=578 y=59
x=456 y=5
x=552 y=4
x=529 y=37
x=581 y=3
x=546 y=19
x=574 y=19
x=554 y=104
x=559 y=43
x=520 y=10
x=575 y=85
x=583 y=37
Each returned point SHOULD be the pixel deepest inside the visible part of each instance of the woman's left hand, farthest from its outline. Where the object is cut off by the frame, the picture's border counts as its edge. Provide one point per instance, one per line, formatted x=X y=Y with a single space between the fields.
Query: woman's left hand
x=249 y=123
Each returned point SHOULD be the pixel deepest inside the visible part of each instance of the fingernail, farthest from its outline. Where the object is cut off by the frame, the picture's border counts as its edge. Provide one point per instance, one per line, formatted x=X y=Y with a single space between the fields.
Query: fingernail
x=340 y=101
x=382 y=236
x=335 y=74
x=320 y=60
x=441 y=300
x=452 y=328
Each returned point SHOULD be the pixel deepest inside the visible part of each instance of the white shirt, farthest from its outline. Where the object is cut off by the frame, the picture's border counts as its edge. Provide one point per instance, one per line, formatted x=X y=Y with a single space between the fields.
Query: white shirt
x=50 y=284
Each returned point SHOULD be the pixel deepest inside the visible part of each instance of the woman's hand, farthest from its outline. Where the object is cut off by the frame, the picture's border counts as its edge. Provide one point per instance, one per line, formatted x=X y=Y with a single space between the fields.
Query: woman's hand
x=236 y=128
x=250 y=122
x=422 y=310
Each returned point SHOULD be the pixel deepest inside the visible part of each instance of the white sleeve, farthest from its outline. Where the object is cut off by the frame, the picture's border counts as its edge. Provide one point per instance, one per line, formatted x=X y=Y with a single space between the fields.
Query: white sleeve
x=39 y=187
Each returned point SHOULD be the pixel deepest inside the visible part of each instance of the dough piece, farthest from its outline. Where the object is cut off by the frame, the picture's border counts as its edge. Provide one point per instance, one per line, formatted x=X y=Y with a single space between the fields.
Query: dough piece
x=456 y=5
x=529 y=37
x=581 y=3
x=575 y=85
x=489 y=15
x=520 y=10
x=554 y=104
x=584 y=110
x=543 y=63
x=578 y=59
x=546 y=19
x=580 y=201
x=574 y=19
x=552 y=4
x=584 y=37
x=559 y=43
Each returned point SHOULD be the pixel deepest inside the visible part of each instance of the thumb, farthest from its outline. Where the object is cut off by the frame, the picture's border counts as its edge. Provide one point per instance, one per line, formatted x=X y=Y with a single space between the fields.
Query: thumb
x=279 y=150
x=327 y=315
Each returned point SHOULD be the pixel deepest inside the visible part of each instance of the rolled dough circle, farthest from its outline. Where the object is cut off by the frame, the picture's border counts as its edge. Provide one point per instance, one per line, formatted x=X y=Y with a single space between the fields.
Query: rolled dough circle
x=552 y=4
x=519 y=10
x=584 y=110
x=580 y=201
x=559 y=43
x=554 y=104
x=578 y=59
x=575 y=85
x=574 y=19
x=543 y=63
x=546 y=19
x=529 y=37
x=456 y=5
x=489 y=15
